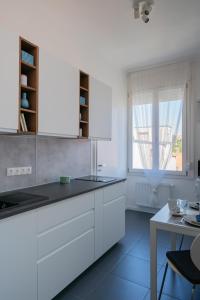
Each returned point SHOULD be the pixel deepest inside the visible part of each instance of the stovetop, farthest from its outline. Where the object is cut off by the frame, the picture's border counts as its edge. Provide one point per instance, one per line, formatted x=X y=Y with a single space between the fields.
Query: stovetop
x=97 y=178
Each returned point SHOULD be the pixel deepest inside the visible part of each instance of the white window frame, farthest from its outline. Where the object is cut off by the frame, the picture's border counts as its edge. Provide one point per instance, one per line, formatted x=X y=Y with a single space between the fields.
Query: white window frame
x=155 y=139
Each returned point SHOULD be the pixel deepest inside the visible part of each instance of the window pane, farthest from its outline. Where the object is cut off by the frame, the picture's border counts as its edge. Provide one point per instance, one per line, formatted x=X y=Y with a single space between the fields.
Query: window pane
x=142 y=156
x=142 y=131
x=170 y=130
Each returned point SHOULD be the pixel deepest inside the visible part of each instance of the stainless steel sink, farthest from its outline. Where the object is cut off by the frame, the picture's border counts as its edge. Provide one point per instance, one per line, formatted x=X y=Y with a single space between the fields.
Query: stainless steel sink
x=4 y=204
x=19 y=198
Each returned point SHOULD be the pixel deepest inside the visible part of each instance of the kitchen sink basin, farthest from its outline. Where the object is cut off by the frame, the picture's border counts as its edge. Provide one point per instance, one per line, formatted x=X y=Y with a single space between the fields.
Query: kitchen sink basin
x=4 y=204
x=19 y=198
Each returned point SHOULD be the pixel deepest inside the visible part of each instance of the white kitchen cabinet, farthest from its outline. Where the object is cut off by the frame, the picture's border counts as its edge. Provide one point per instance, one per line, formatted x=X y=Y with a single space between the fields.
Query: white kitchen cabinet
x=61 y=267
x=64 y=233
x=109 y=217
x=9 y=79
x=75 y=232
x=58 y=97
x=65 y=243
x=44 y=250
x=113 y=222
x=113 y=215
x=99 y=251
x=100 y=110
x=63 y=211
x=114 y=191
x=18 y=257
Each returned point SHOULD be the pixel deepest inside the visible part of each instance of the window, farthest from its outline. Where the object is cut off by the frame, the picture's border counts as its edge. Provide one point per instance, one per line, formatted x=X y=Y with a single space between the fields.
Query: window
x=157 y=130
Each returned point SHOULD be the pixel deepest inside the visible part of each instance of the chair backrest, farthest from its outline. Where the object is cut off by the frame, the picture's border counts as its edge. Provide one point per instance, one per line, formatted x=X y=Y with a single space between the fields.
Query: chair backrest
x=195 y=252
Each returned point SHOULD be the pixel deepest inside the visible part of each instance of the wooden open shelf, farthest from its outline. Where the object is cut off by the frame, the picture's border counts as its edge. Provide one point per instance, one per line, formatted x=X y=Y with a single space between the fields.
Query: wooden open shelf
x=83 y=88
x=84 y=108
x=26 y=67
x=31 y=71
x=28 y=111
x=84 y=122
x=26 y=88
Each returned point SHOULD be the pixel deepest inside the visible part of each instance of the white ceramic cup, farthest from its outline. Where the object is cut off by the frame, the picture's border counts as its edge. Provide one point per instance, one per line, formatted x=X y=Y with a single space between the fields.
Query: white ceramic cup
x=173 y=206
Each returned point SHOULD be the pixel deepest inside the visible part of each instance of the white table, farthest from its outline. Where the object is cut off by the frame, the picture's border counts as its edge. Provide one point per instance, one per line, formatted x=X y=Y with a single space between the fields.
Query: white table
x=162 y=220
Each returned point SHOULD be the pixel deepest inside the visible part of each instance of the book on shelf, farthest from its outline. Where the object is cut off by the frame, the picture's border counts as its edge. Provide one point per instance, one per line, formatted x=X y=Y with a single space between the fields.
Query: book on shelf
x=23 y=123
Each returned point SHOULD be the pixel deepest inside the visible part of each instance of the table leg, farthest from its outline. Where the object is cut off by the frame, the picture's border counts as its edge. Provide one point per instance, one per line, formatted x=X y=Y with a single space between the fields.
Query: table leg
x=173 y=241
x=153 y=260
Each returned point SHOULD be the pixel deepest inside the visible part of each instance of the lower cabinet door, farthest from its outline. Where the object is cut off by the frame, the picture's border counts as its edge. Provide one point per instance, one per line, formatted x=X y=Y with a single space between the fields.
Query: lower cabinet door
x=99 y=251
x=18 y=258
x=113 y=222
x=61 y=267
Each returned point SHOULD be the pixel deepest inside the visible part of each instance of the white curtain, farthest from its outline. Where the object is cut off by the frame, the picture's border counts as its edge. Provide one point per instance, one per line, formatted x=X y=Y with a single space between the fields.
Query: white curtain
x=157 y=123
x=142 y=129
x=171 y=102
x=158 y=102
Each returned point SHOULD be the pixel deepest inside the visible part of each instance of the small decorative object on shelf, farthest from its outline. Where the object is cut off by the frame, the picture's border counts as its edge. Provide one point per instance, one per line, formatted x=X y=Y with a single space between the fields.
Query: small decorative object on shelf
x=28 y=87
x=24 y=101
x=27 y=58
x=84 y=105
x=24 y=80
x=82 y=100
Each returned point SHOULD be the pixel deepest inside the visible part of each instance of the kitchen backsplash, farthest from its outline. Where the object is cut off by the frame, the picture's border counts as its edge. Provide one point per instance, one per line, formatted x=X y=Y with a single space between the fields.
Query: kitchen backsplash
x=49 y=158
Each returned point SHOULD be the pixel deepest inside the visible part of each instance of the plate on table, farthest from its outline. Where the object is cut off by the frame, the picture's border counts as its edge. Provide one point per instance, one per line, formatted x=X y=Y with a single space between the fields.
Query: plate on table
x=194 y=205
x=191 y=219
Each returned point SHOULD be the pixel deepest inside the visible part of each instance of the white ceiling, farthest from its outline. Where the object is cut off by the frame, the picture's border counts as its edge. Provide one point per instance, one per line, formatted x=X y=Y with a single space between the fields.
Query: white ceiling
x=108 y=26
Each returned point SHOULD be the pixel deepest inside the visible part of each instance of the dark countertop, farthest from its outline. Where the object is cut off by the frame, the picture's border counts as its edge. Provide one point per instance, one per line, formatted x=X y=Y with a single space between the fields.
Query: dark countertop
x=55 y=192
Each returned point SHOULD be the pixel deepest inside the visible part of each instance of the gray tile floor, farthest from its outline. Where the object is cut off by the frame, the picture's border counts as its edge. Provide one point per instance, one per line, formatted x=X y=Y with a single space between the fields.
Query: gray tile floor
x=123 y=273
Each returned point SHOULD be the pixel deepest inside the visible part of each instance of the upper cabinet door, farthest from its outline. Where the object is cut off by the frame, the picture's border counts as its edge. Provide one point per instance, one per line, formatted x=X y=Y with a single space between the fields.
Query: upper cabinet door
x=9 y=81
x=100 y=114
x=58 y=97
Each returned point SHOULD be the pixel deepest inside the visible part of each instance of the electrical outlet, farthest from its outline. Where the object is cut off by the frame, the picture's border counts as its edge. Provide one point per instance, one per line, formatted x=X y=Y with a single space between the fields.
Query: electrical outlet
x=23 y=170
x=19 y=171
x=10 y=172
x=28 y=170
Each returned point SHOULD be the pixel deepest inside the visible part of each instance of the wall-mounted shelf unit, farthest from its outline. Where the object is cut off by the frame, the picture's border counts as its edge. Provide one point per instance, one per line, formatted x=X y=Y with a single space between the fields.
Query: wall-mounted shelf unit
x=28 y=66
x=84 y=105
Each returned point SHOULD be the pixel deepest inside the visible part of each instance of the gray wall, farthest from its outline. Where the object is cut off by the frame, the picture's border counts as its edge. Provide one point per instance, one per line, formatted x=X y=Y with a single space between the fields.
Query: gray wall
x=49 y=157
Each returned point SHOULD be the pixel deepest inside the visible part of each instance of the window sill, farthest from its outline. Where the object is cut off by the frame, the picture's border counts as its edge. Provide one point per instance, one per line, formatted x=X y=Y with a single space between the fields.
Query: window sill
x=180 y=176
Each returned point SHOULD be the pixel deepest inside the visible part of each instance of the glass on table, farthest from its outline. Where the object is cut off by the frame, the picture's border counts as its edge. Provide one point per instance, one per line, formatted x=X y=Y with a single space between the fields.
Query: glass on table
x=183 y=205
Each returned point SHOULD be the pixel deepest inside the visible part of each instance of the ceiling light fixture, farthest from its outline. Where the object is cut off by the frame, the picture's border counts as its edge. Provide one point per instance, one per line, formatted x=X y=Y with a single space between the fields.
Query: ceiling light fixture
x=142 y=8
